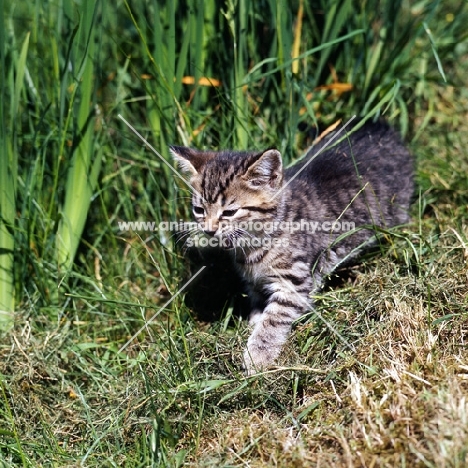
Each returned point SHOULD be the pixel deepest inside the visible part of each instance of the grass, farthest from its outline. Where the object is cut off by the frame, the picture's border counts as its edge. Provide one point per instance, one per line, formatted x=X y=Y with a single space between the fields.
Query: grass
x=69 y=394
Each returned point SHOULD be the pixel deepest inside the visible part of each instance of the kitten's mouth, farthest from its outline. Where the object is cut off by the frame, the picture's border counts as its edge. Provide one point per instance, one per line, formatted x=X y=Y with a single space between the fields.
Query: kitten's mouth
x=222 y=241
x=229 y=241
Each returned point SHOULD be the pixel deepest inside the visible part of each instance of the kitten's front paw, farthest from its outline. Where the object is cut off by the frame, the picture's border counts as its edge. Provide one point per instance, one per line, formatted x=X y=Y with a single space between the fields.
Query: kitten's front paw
x=259 y=358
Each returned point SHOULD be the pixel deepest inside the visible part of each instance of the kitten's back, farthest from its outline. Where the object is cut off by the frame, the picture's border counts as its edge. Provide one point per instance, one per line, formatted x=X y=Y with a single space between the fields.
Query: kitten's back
x=373 y=162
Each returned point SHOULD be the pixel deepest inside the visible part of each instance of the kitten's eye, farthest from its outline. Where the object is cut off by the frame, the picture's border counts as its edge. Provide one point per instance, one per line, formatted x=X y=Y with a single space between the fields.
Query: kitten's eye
x=229 y=213
x=257 y=182
x=198 y=210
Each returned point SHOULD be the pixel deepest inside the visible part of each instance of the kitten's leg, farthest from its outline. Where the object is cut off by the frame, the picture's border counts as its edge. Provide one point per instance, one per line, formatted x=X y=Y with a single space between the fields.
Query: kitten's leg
x=289 y=299
x=291 y=282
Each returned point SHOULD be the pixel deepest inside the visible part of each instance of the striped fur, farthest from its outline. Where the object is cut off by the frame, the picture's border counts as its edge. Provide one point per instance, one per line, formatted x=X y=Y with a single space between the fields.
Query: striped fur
x=366 y=180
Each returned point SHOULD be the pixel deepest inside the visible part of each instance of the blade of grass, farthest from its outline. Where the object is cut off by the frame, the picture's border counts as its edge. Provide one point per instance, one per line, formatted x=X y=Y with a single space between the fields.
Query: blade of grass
x=7 y=200
x=82 y=175
x=237 y=22
x=297 y=37
x=434 y=51
x=8 y=180
x=337 y=15
x=374 y=59
x=197 y=32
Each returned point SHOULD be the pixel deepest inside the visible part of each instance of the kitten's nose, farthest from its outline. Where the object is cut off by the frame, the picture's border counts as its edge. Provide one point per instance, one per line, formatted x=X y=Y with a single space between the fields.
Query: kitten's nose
x=210 y=233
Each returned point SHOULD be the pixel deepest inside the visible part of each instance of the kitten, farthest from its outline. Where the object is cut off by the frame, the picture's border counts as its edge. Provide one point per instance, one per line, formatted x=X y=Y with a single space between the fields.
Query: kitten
x=287 y=229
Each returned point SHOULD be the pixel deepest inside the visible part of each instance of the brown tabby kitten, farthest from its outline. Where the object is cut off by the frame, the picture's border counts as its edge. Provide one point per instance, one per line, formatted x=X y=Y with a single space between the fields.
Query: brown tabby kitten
x=284 y=228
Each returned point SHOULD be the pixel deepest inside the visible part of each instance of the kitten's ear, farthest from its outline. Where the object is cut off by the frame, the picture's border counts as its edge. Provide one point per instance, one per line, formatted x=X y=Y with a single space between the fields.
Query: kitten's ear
x=190 y=160
x=267 y=169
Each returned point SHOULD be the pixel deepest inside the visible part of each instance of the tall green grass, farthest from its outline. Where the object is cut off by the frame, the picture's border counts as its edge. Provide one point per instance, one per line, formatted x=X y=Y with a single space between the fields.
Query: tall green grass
x=85 y=165
x=9 y=147
x=49 y=133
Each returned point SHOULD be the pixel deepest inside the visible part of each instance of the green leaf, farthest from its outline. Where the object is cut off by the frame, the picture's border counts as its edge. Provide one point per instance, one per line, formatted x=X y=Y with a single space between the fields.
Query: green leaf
x=308 y=410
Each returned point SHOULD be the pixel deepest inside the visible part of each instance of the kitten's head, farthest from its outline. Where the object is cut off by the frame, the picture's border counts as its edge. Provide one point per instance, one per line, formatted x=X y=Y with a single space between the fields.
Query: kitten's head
x=232 y=189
